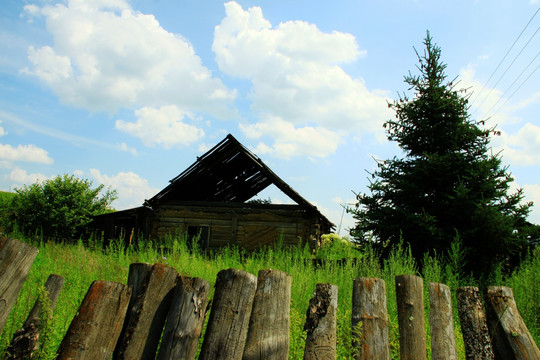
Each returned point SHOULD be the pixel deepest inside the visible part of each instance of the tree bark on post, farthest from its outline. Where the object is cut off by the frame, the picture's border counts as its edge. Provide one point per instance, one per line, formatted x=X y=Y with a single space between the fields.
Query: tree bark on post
x=26 y=340
x=443 y=340
x=268 y=334
x=146 y=317
x=321 y=323
x=370 y=319
x=507 y=328
x=185 y=320
x=94 y=331
x=226 y=332
x=410 y=307
x=16 y=259
x=474 y=324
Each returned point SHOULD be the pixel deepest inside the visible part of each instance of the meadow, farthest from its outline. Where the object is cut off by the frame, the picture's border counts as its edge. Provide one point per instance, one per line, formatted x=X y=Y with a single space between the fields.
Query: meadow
x=81 y=264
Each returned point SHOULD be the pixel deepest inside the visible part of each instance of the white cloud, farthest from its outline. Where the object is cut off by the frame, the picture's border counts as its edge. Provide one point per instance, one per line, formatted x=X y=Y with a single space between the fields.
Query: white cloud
x=132 y=189
x=129 y=149
x=20 y=176
x=532 y=193
x=163 y=127
x=521 y=148
x=295 y=73
x=290 y=141
x=107 y=56
x=26 y=153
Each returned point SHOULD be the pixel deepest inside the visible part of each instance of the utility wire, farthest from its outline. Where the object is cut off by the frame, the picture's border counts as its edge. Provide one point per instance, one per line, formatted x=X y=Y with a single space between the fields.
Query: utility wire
x=509 y=66
x=515 y=80
x=520 y=85
x=500 y=63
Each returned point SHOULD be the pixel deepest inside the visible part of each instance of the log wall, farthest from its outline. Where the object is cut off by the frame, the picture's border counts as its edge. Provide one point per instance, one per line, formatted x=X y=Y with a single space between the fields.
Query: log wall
x=248 y=228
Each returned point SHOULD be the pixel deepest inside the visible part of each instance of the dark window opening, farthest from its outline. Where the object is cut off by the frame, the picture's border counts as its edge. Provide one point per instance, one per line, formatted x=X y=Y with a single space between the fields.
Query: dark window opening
x=199 y=235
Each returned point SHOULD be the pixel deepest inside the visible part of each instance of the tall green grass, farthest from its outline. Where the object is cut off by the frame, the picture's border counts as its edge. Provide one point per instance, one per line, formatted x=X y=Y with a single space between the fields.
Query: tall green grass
x=81 y=264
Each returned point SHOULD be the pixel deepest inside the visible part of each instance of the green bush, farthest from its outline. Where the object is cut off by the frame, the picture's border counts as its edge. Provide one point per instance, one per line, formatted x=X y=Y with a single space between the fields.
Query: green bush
x=61 y=207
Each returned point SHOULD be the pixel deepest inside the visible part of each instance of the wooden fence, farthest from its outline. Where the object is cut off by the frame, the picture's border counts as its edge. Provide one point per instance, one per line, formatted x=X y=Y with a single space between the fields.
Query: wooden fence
x=160 y=314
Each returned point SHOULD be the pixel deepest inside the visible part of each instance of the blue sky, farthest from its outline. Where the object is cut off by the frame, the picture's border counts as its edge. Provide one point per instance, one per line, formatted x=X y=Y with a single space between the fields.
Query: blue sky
x=129 y=93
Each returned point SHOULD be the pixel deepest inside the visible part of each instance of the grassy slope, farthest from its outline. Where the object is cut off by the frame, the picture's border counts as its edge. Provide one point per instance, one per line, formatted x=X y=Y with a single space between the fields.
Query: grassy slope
x=80 y=266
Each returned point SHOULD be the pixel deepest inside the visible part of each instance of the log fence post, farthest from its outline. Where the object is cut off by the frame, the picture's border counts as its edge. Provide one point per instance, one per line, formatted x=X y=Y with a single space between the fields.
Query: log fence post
x=474 y=324
x=148 y=311
x=510 y=335
x=321 y=324
x=226 y=332
x=26 y=340
x=410 y=307
x=441 y=319
x=94 y=331
x=16 y=259
x=185 y=320
x=370 y=318
x=268 y=333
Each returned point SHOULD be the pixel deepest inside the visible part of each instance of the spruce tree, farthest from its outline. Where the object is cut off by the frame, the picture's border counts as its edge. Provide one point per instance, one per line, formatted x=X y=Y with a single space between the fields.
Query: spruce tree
x=448 y=185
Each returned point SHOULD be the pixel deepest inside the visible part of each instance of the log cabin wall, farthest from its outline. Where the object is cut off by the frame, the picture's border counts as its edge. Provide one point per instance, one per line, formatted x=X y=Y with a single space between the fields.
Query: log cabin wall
x=236 y=224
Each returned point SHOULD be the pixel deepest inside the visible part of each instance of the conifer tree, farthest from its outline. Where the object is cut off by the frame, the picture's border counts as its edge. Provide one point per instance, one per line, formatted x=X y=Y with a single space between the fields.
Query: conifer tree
x=448 y=185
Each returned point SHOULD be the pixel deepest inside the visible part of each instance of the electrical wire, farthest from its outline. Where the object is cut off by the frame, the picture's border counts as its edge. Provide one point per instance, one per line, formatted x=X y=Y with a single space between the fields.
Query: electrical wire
x=509 y=66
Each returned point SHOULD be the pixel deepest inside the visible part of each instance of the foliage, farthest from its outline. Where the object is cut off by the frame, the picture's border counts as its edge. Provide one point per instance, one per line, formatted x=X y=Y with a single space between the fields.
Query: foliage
x=80 y=265
x=60 y=207
x=447 y=184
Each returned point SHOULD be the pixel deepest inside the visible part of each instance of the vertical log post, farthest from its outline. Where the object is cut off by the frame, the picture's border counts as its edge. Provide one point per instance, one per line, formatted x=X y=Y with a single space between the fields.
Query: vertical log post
x=16 y=259
x=443 y=340
x=410 y=307
x=507 y=328
x=268 y=333
x=321 y=323
x=226 y=332
x=26 y=339
x=94 y=331
x=146 y=317
x=370 y=319
x=185 y=320
x=474 y=324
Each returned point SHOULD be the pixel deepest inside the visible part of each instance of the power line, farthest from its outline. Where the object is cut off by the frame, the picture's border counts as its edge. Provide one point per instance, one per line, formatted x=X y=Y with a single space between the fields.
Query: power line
x=519 y=87
x=511 y=47
x=509 y=66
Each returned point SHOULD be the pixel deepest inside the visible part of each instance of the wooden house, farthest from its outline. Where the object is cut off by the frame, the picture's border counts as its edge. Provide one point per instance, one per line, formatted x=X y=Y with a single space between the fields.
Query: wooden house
x=210 y=202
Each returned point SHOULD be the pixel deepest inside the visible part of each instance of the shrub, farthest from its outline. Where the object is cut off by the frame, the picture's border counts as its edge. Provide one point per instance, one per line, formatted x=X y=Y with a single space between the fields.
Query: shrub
x=60 y=207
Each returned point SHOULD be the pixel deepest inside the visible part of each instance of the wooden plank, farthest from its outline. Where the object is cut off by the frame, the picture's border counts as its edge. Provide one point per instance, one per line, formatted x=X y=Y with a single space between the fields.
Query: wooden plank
x=185 y=320
x=147 y=314
x=94 y=331
x=26 y=340
x=226 y=332
x=441 y=319
x=321 y=324
x=268 y=333
x=474 y=324
x=507 y=328
x=16 y=259
x=410 y=308
x=370 y=319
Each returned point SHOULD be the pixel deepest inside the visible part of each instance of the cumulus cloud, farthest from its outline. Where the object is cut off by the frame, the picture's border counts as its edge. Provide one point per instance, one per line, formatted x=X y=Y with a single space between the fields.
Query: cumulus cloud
x=132 y=189
x=295 y=72
x=162 y=127
x=532 y=193
x=520 y=148
x=106 y=56
x=290 y=141
x=26 y=153
x=22 y=177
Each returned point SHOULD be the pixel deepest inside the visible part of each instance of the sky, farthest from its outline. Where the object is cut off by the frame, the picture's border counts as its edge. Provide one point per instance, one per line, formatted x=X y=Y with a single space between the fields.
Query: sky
x=129 y=93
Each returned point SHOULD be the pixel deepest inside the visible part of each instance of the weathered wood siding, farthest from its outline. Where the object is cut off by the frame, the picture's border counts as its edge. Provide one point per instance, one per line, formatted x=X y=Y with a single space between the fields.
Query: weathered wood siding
x=244 y=226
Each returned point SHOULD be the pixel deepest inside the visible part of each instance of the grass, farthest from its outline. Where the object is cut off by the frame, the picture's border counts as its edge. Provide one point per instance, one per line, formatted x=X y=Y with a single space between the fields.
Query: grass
x=80 y=265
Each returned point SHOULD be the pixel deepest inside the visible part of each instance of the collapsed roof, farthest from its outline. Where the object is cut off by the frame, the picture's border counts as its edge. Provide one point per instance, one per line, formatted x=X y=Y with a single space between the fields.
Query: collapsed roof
x=228 y=172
